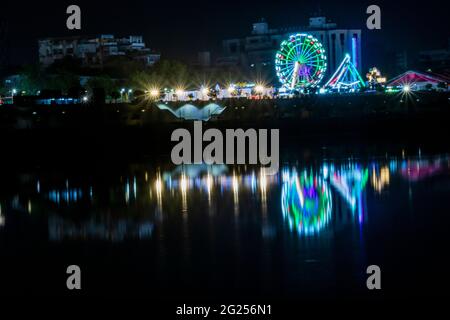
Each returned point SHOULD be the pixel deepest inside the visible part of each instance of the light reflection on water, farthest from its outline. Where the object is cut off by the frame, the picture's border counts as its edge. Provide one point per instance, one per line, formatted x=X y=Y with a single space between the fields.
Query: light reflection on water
x=133 y=206
x=306 y=202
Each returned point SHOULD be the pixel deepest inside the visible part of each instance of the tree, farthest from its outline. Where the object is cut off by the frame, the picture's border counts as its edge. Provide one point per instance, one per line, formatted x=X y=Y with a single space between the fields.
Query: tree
x=121 y=67
x=104 y=82
x=31 y=78
x=76 y=92
x=63 y=82
x=66 y=65
x=115 y=95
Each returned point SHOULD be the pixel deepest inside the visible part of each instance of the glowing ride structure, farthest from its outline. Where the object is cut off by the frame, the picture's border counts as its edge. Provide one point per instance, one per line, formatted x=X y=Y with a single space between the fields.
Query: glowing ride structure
x=346 y=77
x=301 y=62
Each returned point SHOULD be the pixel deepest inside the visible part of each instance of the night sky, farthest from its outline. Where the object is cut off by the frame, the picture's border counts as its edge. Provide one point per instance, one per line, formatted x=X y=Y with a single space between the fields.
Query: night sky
x=181 y=29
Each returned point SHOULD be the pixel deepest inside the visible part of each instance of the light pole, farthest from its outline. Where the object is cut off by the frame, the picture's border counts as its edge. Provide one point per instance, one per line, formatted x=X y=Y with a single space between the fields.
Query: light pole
x=13 y=92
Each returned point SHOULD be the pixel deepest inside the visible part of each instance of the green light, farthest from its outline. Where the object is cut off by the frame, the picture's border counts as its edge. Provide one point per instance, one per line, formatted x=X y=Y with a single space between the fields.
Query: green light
x=306 y=51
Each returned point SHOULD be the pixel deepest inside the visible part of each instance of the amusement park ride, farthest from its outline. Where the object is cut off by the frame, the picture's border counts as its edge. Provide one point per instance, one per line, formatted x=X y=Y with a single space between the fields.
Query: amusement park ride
x=346 y=77
x=301 y=64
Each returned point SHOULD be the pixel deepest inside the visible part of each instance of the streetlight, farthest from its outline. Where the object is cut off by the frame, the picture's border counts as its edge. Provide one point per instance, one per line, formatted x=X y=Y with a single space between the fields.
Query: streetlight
x=406 y=88
x=154 y=93
x=259 y=88
x=205 y=91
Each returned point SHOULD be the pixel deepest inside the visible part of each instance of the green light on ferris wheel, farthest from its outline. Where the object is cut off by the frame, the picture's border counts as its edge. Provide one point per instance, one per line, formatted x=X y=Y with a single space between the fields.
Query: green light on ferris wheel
x=300 y=62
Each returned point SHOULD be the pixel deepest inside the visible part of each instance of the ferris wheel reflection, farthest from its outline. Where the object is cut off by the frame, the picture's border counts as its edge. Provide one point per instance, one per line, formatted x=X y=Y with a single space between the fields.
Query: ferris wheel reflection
x=306 y=202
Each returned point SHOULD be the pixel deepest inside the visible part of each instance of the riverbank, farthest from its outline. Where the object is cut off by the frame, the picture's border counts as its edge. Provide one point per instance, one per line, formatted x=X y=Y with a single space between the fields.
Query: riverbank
x=308 y=110
x=115 y=130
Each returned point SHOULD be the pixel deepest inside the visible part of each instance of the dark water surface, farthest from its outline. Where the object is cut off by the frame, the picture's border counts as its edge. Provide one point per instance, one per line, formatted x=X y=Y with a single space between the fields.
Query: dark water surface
x=147 y=228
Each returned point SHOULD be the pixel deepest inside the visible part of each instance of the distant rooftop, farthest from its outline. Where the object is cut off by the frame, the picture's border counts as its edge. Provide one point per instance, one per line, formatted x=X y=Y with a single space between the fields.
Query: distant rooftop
x=315 y=23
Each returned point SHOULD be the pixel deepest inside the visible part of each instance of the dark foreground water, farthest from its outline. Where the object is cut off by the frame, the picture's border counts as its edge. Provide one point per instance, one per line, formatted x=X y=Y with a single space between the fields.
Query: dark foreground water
x=214 y=232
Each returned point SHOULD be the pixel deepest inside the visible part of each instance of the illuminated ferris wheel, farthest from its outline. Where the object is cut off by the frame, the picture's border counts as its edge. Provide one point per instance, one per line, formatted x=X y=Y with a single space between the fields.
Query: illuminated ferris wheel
x=301 y=62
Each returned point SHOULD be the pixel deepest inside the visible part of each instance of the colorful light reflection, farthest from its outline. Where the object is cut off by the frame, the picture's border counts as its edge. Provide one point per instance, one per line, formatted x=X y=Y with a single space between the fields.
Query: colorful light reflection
x=306 y=202
x=350 y=182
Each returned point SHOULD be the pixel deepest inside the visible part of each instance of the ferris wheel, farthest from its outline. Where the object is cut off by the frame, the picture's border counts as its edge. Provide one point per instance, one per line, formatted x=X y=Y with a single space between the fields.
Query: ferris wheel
x=301 y=62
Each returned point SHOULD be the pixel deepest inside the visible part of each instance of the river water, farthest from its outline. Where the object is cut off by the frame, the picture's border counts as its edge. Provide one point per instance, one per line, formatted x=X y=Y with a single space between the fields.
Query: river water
x=148 y=228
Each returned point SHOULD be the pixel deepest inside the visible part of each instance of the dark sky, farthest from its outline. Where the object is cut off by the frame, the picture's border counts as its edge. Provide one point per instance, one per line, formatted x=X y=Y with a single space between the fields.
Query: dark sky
x=181 y=29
